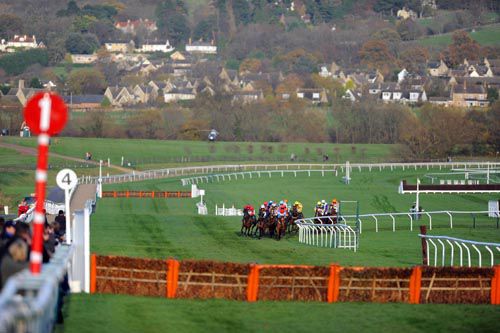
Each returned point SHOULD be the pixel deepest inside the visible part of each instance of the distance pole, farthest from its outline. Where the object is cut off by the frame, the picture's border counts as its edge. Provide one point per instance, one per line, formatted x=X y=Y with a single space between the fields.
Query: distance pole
x=36 y=256
x=45 y=114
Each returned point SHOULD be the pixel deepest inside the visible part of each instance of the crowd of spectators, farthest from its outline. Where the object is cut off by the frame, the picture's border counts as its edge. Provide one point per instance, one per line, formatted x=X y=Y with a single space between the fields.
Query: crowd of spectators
x=15 y=243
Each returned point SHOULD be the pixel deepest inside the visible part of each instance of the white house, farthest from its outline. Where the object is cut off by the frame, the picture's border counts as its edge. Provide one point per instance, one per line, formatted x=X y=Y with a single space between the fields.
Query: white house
x=201 y=47
x=176 y=94
x=131 y=26
x=156 y=46
x=83 y=58
x=26 y=42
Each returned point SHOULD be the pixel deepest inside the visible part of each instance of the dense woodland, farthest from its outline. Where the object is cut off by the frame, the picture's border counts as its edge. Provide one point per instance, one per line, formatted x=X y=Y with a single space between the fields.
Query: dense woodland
x=265 y=36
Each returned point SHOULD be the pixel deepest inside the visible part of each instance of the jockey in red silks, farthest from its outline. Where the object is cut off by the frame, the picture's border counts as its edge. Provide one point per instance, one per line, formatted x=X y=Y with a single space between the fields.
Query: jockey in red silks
x=282 y=209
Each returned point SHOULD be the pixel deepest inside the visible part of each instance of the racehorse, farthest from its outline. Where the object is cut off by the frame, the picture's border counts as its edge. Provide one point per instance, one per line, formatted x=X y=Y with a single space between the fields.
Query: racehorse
x=280 y=227
x=294 y=216
x=271 y=224
x=246 y=224
x=261 y=223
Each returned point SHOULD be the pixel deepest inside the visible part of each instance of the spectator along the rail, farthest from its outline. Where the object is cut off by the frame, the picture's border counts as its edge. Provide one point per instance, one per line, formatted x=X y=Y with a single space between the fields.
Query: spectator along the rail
x=8 y=232
x=59 y=226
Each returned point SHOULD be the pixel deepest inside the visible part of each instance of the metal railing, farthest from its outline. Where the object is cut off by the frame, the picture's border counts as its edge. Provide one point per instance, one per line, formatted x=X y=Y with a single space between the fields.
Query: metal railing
x=251 y=174
x=459 y=248
x=313 y=231
x=409 y=218
x=232 y=211
x=211 y=169
x=29 y=303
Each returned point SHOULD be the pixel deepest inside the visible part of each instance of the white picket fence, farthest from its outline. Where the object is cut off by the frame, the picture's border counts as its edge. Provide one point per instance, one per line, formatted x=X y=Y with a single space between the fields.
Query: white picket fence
x=218 y=169
x=223 y=211
x=459 y=251
x=332 y=235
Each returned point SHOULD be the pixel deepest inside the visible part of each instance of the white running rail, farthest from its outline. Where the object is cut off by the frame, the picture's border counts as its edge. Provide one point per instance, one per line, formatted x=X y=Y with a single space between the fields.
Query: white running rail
x=29 y=303
x=211 y=169
x=223 y=211
x=252 y=174
x=408 y=218
x=446 y=250
x=312 y=231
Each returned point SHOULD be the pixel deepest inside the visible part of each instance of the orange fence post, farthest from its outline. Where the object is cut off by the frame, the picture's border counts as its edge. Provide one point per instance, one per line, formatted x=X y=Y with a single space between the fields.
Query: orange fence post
x=495 y=286
x=253 y=283
x=153 y=194
x=415 y=285
x=333 y=284
x=128 y=194
x=93 y=273
x=114 y=194
x=172 y=277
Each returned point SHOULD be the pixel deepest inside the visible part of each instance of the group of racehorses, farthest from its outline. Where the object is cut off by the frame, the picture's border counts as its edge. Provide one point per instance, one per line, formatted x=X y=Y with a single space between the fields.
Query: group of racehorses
x=276 y=220
x=268 y=222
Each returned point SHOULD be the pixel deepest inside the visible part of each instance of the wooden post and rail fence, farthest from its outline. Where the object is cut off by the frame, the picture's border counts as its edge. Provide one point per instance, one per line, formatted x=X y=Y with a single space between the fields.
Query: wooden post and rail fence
x=253 y=282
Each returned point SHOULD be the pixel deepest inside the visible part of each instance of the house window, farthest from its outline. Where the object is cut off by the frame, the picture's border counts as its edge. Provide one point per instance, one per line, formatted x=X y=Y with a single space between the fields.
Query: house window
x=397 y=96
x=286 y=96
x=413 y=96
x=315 y=95
x=386 y=95
x=300 y=95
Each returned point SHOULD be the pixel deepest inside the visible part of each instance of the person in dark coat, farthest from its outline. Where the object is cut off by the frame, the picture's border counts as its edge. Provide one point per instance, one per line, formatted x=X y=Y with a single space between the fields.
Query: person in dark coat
x=14 y=260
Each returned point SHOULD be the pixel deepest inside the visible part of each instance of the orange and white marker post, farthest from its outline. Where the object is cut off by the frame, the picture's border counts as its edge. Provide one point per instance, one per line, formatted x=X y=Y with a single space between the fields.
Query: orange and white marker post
x=46 y=115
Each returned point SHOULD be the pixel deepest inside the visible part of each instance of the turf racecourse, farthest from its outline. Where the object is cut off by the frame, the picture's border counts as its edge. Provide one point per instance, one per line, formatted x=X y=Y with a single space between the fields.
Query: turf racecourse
x=162 y=228
x=113 y=313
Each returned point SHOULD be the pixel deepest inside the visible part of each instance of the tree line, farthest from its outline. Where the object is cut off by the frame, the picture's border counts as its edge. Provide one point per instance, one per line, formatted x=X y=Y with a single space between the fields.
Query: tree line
x=427 y=132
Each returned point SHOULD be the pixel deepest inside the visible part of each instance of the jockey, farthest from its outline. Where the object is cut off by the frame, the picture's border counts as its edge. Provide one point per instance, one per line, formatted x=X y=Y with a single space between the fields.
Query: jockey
x=262 y=211
x=282 y=209
x=246 y=210
x=324 y=204
x=298 y=206
x=251 y=210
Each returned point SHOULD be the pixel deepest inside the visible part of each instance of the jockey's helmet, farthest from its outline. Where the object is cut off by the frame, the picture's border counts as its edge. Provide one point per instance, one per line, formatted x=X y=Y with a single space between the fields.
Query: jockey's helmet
x=262 y=206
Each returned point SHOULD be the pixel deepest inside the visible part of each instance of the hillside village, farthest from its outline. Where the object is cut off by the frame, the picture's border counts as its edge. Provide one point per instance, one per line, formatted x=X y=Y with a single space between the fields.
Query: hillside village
x=374 y=71
x=466 y=84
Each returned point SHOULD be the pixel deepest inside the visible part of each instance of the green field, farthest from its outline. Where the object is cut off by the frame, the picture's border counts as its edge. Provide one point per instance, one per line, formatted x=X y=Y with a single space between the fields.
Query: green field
x=486 y=36
x=17 y=174
x=161 y=228
x=113 y=313
x=161 y=152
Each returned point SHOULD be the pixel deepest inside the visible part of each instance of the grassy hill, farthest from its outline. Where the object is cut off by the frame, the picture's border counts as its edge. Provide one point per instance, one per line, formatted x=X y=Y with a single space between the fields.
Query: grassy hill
x=486 y=36
x=144 y=154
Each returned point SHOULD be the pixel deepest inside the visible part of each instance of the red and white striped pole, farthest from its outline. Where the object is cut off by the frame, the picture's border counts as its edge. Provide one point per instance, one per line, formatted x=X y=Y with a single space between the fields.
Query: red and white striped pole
x=46 y=114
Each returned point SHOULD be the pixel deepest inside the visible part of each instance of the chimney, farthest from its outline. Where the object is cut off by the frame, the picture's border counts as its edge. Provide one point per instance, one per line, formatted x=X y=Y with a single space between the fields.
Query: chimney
x=212 y=42
x=189 y=40
x=21 y=84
